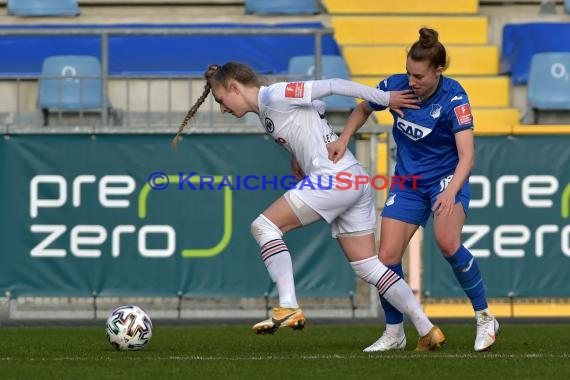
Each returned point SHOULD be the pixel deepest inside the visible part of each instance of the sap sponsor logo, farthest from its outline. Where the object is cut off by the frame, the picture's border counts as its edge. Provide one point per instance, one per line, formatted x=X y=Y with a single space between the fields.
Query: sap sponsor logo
x=412 y=130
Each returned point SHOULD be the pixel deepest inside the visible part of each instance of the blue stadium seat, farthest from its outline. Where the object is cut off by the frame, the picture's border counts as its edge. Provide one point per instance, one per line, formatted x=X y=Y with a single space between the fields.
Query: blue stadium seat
x=70 y=83
x=42 y=8
x=549 y=81
x=567 y=6
x=274 y=7
x=302 y=67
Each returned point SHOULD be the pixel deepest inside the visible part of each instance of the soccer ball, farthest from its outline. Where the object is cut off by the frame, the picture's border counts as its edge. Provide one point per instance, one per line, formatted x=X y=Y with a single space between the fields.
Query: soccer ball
x=129 y=328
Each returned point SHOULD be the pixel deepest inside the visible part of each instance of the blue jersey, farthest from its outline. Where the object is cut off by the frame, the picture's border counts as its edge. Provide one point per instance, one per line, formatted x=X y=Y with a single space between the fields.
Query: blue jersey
x=426 y=137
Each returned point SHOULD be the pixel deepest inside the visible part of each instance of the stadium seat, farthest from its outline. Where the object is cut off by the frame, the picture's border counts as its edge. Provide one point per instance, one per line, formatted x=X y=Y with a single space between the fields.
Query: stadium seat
x=403 y=29
x=42 y=8
x=302 y=67
x=549 y=82
x=70 y=83
x=567 y=6
x=274 y=7
x=401 y=7
x=391 y=59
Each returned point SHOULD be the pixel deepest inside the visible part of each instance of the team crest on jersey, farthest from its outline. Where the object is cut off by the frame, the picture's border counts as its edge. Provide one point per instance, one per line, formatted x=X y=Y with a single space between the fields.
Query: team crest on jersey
x=435 y=111
x=391 y=199
x=295 y=90
x=412 y=130
x=269 y=126
x=463 y=114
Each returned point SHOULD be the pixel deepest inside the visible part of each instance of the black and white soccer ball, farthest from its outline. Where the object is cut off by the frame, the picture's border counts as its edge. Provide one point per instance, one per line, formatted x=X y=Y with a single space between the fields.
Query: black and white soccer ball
x=129 y=328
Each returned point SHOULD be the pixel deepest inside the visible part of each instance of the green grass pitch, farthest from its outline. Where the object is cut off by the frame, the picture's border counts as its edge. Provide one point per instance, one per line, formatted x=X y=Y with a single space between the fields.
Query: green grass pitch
x=320 y=351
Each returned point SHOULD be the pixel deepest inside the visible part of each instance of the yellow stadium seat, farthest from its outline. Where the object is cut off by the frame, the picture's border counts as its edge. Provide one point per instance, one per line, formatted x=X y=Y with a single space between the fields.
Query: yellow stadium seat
x=403 y=30
x=401 y=6
x=489 y=119
x=375 y=36
x=490 y=91
x=382 y=61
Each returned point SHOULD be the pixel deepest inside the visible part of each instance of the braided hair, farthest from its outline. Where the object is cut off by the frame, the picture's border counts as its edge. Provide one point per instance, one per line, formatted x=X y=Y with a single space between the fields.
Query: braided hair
x=222 y=75
x=192 y=111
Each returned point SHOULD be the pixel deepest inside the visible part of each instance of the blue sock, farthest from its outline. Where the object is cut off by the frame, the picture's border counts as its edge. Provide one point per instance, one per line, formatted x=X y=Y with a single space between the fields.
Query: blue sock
x=467 y=273
x=392 y=315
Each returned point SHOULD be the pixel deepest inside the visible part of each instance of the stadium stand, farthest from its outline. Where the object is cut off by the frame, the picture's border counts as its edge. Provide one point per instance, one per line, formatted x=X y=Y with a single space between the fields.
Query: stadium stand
x=402 y=7
x=403 y=29
x=170 y=65
x=384 y=30
x=43 y=8
x=518 y=49
x=70 y=83
x=549 y=82
x=333 y=66
x=567 y=6
x=273 y=7
x=129 y=52
x=466 y=60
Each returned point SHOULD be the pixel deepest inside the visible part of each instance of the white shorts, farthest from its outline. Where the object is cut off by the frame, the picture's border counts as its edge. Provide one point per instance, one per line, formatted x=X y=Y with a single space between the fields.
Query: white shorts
x=346 y=210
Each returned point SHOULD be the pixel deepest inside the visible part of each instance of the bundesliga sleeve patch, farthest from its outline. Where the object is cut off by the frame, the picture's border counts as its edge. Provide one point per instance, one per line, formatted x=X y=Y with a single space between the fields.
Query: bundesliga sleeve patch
x=463 y=114
x=295 y=90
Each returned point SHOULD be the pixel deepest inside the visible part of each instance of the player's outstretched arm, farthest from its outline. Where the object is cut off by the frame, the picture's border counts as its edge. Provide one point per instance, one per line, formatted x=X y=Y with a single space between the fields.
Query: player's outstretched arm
x=393 y=99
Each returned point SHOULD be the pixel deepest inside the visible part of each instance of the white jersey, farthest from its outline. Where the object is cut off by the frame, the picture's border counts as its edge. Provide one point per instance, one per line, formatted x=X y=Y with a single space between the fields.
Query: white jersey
x=292 y=120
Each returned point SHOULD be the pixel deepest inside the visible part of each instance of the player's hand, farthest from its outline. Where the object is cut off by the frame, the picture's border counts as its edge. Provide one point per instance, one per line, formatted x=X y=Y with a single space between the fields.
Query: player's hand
x=296 y=170
x=403 y=99
x=336 y=150
x=444 y=204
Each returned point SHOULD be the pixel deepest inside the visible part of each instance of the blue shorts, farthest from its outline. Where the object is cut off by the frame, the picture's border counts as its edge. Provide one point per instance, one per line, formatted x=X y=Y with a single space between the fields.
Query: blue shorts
x=415 y=206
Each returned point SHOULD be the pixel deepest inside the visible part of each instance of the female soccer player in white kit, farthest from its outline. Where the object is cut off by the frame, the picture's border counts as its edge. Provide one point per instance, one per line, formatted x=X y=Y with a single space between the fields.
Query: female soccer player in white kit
x=294 y=117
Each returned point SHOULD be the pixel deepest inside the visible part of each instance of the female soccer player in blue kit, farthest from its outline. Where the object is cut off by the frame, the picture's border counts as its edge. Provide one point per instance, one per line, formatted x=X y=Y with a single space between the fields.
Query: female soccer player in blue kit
x=436 y=143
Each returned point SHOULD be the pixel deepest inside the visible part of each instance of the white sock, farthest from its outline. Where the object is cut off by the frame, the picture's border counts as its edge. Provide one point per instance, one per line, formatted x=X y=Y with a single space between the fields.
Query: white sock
x=394 y=289
x=395 y=329
x=401 y=297
x=277 y=259
x=479 y=312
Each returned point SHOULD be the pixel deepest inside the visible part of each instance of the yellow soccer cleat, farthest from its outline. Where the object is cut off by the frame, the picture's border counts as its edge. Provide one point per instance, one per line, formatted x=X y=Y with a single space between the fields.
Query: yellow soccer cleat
x=281 y=317
x=433 y=340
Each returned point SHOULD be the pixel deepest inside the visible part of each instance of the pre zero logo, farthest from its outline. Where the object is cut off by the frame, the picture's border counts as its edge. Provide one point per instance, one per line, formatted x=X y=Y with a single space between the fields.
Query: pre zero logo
x=113 y=192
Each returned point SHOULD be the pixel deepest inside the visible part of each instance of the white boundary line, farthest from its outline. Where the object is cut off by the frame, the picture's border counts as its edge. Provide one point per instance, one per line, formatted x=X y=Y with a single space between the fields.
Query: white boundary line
x=412 y=355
